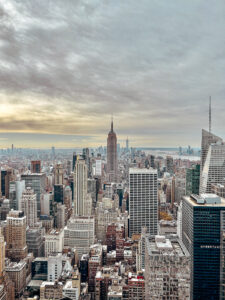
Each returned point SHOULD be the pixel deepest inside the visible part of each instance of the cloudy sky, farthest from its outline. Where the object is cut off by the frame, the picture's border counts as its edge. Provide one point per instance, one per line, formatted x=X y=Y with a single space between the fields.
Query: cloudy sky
x=66 y=66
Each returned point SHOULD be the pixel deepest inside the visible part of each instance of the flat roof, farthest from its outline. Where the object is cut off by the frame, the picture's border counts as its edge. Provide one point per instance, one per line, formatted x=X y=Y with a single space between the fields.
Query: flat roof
x=165 y=245
x=194 y=203
x=142 y=171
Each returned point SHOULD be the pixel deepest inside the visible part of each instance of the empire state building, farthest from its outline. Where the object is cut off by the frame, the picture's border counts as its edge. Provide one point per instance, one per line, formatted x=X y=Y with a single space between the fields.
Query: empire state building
x=112 y=155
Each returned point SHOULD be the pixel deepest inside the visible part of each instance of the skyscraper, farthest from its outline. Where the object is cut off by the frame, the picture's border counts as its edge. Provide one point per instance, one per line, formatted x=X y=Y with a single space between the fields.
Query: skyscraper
x=127 y=144
x=37 y=181
x=202 y=233
x=35 y=166
x=213 y=171
x=143 y=200
x=80 y=233
x=192 y=180
x=169 y=164
x=75 y=157
x=207 y=139
x=59 y=174
x=80 y=187
x=2 y=258
x=112 y=155
x=86 y=157
x=6 y=177
x=29 y=206
x=16 y=189
x=16 y=247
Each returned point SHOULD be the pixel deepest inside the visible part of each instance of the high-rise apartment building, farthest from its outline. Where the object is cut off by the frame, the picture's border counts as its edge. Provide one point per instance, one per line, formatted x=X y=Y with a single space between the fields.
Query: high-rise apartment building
x=202 y=233
x=16 y=247
x=143 y=200
x=192 y=180
x=29 y=206
x=80 y=188
x=112 y=155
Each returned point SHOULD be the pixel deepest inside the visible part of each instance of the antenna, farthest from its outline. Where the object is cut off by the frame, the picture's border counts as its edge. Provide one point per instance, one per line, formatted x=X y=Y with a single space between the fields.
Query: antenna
x=210 y=115
x=112 y=122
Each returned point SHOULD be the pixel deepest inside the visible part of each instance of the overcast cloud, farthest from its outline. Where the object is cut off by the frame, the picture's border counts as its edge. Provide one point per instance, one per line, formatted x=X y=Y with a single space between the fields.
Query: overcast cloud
x=65 y=66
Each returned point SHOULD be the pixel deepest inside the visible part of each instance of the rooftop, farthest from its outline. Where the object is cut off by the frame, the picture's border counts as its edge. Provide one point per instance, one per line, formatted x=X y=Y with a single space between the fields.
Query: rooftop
x=142 y=171
x=14 y=266
x=44 y=283
x=206 y=200
x=54 y=232
x=163 y=245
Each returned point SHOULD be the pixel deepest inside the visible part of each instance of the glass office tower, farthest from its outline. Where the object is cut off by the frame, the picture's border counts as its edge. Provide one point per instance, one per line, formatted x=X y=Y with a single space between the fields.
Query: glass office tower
x=202 y=234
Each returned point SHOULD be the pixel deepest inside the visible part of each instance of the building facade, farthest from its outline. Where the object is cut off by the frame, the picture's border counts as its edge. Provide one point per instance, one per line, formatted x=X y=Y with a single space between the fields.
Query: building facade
x=143 y=200
x=213 y=171
x=16 y=247
x=112 y=163
x=80 y=233
x=193 y=180
x=80 y=187
x=29 y=206
x=54 y=240
x=167 y=269
x=37 y=181
x=202 y=233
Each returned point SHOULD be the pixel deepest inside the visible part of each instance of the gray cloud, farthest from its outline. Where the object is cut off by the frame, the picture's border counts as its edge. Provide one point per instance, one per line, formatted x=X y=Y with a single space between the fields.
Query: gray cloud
x=66 y=65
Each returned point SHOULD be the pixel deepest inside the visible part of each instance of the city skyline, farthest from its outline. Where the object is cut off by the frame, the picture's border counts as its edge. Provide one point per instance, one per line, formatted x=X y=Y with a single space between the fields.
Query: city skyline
x=66 y=68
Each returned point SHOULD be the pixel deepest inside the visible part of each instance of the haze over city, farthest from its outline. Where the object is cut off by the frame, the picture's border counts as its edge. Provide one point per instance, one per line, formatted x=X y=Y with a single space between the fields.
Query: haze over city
x=112 y=150
x=66 y=66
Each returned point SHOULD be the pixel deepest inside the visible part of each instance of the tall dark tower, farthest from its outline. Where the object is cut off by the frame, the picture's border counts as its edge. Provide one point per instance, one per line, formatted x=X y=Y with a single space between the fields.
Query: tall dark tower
x=112 y=155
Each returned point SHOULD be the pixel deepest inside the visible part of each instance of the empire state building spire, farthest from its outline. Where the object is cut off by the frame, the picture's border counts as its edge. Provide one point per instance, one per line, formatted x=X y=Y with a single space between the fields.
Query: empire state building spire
x=112 y=124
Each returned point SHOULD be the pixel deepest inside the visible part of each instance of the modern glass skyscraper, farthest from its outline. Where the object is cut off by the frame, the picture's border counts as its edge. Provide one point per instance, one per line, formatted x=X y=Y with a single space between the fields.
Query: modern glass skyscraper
x=192 y=180
x=143 y=200
x=212 y=161
x=202 y=234
x=213 y=171
x=208 y=138
x=37 y=182
x=112 y=155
